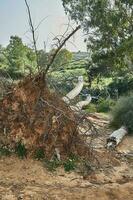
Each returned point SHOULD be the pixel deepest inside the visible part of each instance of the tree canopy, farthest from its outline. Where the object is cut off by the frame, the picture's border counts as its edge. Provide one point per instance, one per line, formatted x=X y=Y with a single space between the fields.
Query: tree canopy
x=108 y=28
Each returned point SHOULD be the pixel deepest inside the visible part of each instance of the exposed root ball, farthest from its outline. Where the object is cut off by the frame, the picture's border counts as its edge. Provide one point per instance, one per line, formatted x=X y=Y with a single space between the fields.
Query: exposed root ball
x=38 y=118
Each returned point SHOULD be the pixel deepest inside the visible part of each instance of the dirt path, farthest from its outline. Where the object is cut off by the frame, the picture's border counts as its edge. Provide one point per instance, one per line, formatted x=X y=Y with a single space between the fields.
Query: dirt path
x=29 y=180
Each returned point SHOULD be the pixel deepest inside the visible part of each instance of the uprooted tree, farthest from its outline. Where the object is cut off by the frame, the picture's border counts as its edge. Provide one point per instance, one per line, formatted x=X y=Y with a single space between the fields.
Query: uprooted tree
x=33 y=117
x=38 y=119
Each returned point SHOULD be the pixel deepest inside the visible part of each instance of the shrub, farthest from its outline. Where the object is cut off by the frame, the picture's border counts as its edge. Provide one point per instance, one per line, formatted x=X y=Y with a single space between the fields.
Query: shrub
x=105 y=105
x=52 y=165
x=20 y=150
x=91 y=108
x=39 y=154
x=4 y=151
x=122 y=113
x=122 y=86
x=71 y=163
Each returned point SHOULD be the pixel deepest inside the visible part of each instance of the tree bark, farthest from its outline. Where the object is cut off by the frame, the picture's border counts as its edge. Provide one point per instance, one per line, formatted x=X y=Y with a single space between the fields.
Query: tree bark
x=82 y=104
x=73 y=93
x=116 y=137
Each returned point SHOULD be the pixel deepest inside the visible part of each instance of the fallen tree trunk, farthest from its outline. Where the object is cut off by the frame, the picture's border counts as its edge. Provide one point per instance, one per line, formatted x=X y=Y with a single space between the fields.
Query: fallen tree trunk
x=73 y=93
x=82 y=104
x=116 y=137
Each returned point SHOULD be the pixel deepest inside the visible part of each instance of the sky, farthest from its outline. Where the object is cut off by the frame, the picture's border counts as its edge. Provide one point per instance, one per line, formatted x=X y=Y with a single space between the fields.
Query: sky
x=14 y=21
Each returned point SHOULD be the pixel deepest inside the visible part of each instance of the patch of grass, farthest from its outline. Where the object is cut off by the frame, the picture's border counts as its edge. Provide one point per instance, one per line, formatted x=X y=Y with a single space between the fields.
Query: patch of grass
x=20 y=150
x=39 y=154
x=102 y=106
x=71 y=163
x=4 y=151
x=105 y=105
x=91 y=108
x=52 y=165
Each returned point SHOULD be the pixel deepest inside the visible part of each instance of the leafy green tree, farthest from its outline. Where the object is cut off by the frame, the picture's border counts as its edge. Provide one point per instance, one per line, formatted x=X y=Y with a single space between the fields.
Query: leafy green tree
x=62 y=59
x=108 y=28
x=20 y=58
x=42 y=59
x=15 y=54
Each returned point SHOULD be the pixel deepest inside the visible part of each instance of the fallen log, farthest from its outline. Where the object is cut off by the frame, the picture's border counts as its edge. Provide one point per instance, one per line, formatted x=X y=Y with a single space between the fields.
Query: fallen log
x=116 y=137
x=82 y=104
x=73 y=93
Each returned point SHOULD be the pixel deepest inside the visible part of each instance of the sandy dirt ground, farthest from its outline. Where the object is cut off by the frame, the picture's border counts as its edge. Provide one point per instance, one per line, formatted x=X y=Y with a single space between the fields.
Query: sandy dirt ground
x=29 y=180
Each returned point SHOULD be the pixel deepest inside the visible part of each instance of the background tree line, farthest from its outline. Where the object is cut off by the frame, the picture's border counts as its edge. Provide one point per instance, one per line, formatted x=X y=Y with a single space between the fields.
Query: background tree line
x=18 y=60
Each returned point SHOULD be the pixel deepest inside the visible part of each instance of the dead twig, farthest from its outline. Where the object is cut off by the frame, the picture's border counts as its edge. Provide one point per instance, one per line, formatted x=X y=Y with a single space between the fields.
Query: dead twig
x=59 y=48
x=33 y=33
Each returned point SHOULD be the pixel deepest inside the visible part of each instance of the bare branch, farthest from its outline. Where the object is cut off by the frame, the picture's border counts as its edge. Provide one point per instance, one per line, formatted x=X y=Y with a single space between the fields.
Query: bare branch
x=41 y=22
x=60 y=47
x=32 y=31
